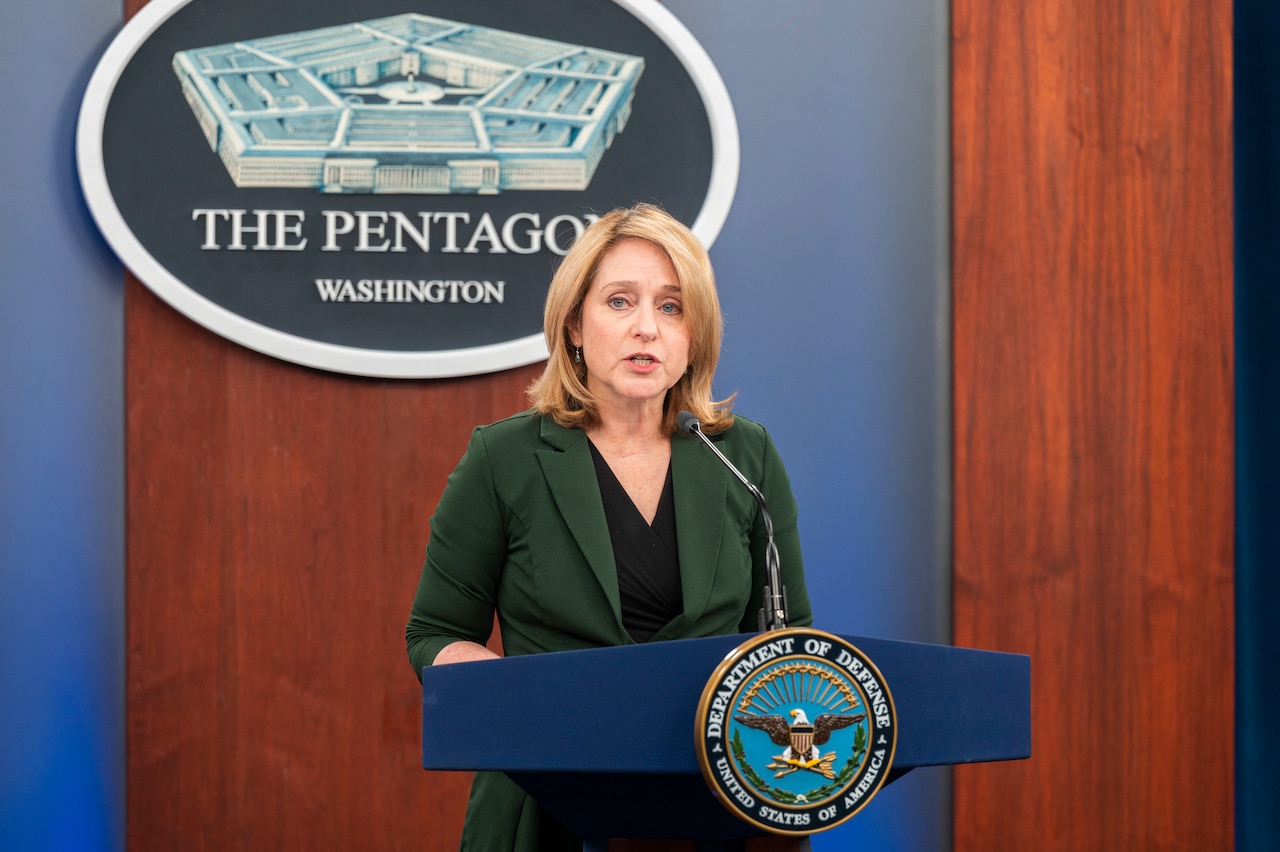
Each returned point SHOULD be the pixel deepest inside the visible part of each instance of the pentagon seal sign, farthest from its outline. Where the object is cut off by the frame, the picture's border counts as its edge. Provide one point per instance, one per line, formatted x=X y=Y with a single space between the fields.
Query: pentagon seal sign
x=796 y=731
x=383 y=190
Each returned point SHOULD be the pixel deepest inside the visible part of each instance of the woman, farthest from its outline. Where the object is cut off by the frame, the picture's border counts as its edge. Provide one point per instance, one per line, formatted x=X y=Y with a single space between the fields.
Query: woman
x=589 y=520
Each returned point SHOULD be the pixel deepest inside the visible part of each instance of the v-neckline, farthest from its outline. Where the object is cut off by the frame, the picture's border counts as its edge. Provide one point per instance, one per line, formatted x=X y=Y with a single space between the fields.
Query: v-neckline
x=666 y=496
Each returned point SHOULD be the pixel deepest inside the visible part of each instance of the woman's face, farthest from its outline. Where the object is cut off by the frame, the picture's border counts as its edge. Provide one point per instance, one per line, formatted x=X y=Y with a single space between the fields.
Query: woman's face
x=632 y=327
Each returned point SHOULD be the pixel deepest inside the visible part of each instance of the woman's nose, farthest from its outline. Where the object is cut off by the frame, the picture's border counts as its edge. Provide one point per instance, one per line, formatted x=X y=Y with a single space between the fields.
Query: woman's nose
x=646 y=324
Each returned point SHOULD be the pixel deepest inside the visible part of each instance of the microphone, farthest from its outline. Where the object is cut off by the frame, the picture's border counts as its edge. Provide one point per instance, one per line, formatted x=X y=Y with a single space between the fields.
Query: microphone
x=773 y=609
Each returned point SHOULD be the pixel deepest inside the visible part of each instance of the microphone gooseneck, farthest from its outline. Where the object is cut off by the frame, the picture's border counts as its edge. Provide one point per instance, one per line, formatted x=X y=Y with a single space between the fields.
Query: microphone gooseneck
x=773 y=609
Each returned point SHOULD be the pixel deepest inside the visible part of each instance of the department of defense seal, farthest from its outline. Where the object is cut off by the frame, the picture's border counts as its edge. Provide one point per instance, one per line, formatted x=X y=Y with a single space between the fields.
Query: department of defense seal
x=796 y=731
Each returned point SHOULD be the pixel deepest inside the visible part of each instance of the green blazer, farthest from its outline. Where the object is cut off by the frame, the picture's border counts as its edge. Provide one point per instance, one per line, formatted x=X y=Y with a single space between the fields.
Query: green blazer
x=520 y=530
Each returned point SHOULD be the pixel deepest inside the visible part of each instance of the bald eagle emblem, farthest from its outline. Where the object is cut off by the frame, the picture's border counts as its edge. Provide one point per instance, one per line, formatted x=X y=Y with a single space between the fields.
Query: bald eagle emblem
x=801 y=738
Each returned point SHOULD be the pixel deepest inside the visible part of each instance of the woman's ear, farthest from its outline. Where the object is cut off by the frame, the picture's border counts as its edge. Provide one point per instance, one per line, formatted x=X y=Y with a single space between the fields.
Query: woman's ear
x=573 y=327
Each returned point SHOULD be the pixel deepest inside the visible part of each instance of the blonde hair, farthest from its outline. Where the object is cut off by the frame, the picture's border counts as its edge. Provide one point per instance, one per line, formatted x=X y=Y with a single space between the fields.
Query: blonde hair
x=561 y=391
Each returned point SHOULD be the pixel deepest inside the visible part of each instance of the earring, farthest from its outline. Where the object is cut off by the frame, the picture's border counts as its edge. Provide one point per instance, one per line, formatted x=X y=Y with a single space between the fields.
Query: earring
x=577 y=354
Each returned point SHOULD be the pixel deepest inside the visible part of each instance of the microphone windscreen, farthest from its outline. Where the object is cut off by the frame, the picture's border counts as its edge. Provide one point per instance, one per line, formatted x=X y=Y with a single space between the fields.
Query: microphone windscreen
x=688 y=422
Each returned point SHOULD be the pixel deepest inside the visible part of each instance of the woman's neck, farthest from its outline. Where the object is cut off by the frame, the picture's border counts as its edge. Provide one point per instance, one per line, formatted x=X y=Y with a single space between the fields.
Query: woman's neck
x=631 y=427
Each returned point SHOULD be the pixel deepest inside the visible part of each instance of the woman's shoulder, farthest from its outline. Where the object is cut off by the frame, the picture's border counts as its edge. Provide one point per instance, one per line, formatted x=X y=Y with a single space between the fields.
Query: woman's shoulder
x=514 y=423
x=745 y=431
x=516 y=428
x=750 y=446
x=523 y=430
x=746 y=441
x=506 y=444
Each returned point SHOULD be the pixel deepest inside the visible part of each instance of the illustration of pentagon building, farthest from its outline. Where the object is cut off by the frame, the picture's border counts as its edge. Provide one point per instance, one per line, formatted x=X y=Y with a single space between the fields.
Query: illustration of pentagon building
x=409 y=104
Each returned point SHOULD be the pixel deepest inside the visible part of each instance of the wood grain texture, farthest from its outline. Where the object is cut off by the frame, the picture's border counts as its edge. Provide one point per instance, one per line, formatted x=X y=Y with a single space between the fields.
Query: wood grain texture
x=277 y=518
x=1093 y=424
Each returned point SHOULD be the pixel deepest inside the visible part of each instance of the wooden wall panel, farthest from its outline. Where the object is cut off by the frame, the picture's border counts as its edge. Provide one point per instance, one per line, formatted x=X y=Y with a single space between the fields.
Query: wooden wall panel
x=1092 y=170
x=276 y=523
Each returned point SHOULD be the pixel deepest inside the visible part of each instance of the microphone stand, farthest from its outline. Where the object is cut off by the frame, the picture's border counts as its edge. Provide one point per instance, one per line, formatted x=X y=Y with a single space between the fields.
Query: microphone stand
x=773 y=609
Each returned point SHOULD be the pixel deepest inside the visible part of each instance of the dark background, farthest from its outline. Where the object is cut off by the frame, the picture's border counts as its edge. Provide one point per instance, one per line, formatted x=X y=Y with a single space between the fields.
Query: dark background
x=1257 y=187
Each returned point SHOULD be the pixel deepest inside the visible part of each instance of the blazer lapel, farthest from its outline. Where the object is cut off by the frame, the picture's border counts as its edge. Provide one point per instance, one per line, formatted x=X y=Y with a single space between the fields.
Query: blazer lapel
x=699 y=480
x=571 y=475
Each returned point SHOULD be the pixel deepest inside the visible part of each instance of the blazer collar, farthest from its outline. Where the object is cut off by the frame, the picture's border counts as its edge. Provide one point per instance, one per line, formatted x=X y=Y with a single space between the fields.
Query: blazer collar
x=700 y=485
x=700 y=482
x=571 y=475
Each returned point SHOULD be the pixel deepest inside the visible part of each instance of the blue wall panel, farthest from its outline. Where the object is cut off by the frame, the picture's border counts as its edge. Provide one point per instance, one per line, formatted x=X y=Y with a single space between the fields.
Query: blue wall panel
x=61 y=451
x=834 y=272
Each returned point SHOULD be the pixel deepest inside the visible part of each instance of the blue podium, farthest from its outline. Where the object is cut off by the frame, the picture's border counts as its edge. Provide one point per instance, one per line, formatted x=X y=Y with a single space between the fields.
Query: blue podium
x=604 y=738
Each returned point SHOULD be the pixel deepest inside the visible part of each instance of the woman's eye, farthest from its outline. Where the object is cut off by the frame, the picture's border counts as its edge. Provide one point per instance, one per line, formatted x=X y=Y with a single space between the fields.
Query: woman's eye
x=670 y=308
x=617 y=302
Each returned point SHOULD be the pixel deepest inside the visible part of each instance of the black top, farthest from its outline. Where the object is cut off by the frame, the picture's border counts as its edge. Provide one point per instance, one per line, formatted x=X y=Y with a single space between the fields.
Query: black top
x=646 y=556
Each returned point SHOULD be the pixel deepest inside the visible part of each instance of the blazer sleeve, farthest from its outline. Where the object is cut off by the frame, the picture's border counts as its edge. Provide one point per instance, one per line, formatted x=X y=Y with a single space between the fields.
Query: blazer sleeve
x=458 y=589
x=775 y=485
